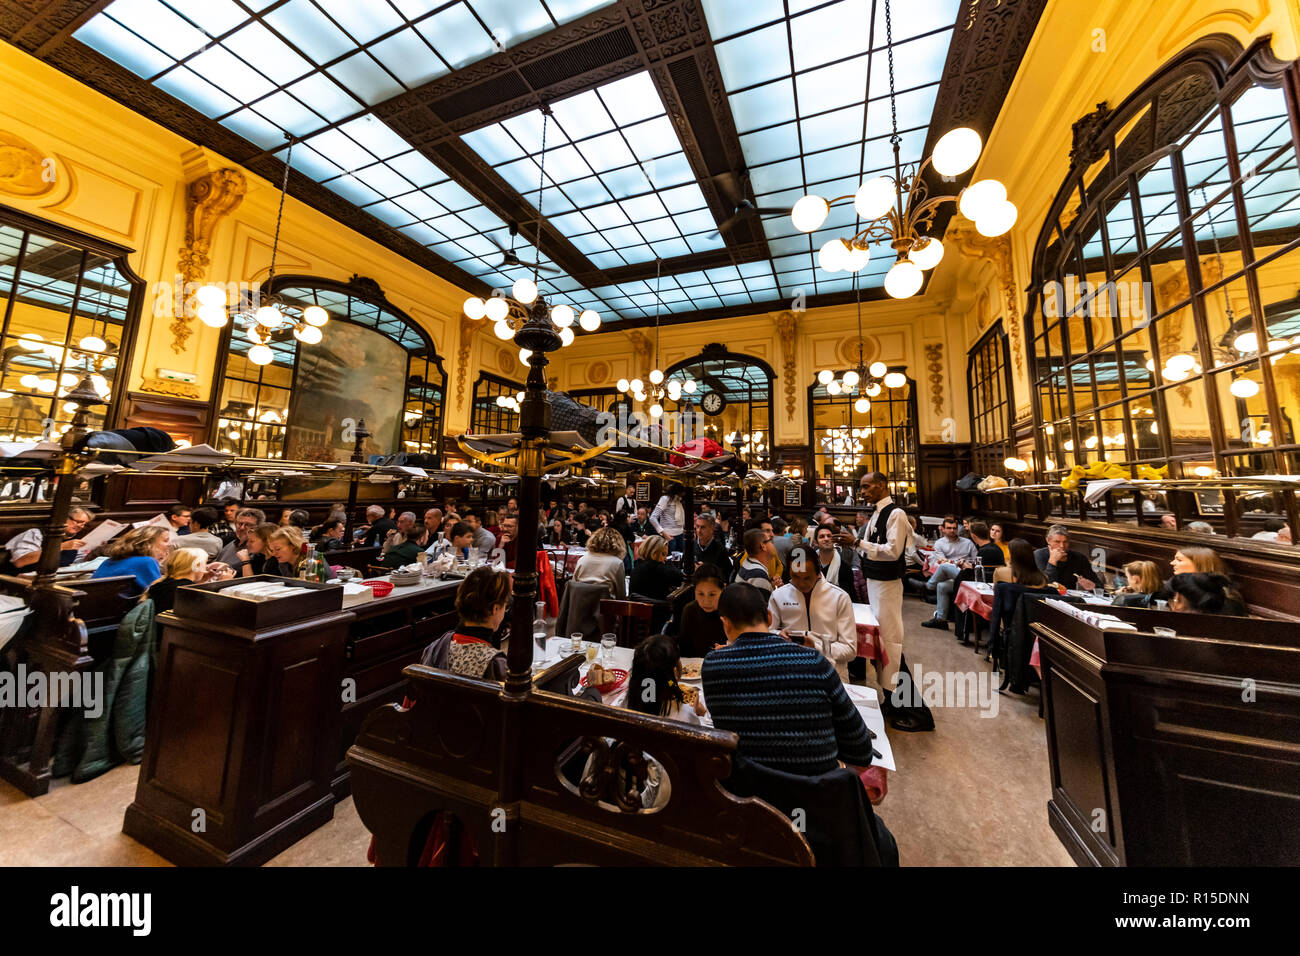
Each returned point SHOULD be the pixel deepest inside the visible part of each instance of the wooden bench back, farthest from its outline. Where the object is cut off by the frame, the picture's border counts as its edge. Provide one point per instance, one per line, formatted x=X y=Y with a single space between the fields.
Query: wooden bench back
x=446 y=754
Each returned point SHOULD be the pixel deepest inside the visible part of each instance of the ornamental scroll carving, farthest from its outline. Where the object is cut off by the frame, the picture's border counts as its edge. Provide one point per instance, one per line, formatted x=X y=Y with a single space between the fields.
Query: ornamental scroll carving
x=208 y=200
x=786 y=324
x=468 y=327
x=642 y=350
x=998 y=252
x=24 y=170
x=934 y=366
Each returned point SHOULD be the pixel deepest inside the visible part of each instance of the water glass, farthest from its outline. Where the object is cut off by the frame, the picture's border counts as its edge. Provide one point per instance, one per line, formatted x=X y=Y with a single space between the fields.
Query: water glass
x=607 y=643
x=575 y=642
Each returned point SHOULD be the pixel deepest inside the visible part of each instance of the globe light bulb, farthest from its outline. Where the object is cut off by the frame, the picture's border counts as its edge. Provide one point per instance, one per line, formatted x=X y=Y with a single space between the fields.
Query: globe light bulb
x=980 y=198
x=212 y=295
x=524 y=290
x=875 y=197
x=308 y=334
x=525 y=355
x=809 y=213
x=496 y=308
x=927 y=254
x=862 y=406
x=674 y=391
x=93 y=343
x=857 y=258
x=29 y=381
x=474 y=307
x=503 y=401
x=895 y=380
x=656 y=376
x=315 y=315
x=691 y=386
x=270 y=317
x=503 y=331
x=873 y=390
x=639 y=396
x=833 y=388
x=1181 y=362
x=589 y=320
x=851 y=379
x=956 y=151
x=562 y=316
x=260 y=355
x=213 y=316
x=997 y=220
x=566 y=337
x=656 y=410
x=1244 y=388
x=903 y=279
x=623 y=385
x=825 y=376
x=834 y=254
x=1203 y=471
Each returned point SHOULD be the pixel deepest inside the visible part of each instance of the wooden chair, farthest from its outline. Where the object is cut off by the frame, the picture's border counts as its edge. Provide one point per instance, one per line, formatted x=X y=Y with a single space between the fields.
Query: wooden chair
x=559 y=566
x=377 y=570
x=630 y=620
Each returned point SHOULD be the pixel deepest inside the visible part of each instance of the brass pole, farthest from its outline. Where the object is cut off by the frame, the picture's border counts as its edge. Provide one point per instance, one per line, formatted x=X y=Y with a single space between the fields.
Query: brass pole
x=84 y=396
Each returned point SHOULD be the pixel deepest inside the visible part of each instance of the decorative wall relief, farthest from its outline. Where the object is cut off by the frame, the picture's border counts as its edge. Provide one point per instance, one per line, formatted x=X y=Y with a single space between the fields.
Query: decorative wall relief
x=934 y=366
x=998 y=252
x=24 y=170
x=468 y=327
x=597 y=373
x=642 y=350
x=786 y=324
x=208 y=200
x=847 y=350
x=166 y=386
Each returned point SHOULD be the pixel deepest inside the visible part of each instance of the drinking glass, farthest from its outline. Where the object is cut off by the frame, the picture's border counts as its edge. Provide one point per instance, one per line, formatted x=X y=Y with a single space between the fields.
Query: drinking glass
x=591 y=652
x=607 y=642
x=575 y=642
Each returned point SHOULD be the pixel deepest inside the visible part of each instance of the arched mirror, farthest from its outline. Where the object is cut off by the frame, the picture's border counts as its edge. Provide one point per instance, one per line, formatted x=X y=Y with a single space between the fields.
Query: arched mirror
x=373 y=363
x=734 y=393
x=869 y=428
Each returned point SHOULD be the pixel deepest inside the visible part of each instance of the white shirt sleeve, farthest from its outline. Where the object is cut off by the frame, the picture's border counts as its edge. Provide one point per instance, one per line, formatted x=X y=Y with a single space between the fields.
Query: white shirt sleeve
x=845 y=647
x=897 y=532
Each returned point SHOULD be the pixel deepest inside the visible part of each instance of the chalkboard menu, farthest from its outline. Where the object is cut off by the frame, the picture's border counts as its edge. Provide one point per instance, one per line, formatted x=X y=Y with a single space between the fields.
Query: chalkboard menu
x=793 y=495
x=643 y=491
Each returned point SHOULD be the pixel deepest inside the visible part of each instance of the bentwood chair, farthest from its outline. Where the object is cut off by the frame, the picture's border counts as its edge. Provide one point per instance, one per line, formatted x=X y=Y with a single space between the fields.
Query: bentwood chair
x=630 y=620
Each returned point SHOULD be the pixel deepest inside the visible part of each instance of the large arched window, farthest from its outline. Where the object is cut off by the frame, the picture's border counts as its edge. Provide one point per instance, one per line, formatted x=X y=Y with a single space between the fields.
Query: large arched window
x=734 y=392
x=1162 y=322
x=70 y=306
x=846 y=443
x=374 y=363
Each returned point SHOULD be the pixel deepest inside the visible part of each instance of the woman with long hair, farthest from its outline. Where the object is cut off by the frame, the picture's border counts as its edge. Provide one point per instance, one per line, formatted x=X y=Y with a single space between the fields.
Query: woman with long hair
x=669 y=516
x=1203 y=593
x=1191 y=559
x=255 y=555
x=653 y=683
x=286 y=546
x=651 y=576
x=137 y=553
x=473 y=646
x=183 y=566
x=1143 y=585
x=998 y=534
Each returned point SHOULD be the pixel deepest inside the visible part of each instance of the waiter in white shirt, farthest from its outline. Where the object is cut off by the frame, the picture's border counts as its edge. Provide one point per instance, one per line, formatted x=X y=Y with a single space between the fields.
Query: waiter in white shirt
x=880 y=555
x=627 y=502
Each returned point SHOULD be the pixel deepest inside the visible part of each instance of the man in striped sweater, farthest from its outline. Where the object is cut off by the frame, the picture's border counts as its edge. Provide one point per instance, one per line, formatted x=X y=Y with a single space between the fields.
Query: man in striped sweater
x=785 y=701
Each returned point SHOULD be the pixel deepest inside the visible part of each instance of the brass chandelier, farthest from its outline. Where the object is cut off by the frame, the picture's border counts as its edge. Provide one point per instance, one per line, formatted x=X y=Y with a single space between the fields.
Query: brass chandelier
x=897 y=209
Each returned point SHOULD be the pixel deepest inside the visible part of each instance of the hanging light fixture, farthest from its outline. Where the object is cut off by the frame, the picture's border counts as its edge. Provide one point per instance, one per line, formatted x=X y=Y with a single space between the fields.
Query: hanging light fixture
x=265 y=315
x=897 y=209
x=508 y=314
x=864 y=380
x=659 y=390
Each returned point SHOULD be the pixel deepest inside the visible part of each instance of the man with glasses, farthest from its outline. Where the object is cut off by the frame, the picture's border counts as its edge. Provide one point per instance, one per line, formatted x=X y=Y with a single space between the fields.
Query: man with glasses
x=25 y=548
x=246 y=519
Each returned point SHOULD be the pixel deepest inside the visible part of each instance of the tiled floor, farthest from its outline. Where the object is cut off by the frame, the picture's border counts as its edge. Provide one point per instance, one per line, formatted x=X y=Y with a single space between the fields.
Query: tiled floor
x=974 y=792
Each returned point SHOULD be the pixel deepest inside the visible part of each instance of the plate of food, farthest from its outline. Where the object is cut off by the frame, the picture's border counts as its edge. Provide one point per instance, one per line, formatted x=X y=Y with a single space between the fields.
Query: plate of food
x=690 y=694
x=605 y=679
x=691 y=667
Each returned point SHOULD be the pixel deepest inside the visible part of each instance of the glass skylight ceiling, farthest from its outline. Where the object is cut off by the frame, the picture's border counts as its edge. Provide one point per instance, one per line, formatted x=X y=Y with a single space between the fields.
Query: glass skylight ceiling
x=806 y=92
x=266 y=68
x=619 y=186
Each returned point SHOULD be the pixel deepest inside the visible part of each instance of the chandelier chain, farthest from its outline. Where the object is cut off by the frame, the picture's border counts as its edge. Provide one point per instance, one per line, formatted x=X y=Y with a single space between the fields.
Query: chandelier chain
x=541 y=188
x=889 y=46
x=279 y=215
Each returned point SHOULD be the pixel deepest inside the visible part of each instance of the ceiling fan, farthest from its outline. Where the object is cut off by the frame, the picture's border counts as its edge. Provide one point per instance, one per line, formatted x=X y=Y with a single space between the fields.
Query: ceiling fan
x=735 y=185
x=508 y=257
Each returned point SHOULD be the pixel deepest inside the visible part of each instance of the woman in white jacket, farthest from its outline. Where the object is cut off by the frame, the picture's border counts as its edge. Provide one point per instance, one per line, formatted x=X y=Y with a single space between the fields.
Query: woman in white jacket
x=669 y=517
x=822 y=611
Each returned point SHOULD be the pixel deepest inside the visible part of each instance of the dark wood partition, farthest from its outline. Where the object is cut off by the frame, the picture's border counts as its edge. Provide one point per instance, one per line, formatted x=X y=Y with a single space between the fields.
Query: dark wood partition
x=1173 y=751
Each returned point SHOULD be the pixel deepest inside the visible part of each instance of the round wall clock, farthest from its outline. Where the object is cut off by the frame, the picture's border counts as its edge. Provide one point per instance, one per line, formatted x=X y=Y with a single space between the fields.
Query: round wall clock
x=713 y=403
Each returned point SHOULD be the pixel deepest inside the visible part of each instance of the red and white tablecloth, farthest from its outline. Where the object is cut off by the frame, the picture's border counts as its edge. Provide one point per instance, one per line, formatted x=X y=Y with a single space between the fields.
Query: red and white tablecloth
x=975 y=597
x=869 y=644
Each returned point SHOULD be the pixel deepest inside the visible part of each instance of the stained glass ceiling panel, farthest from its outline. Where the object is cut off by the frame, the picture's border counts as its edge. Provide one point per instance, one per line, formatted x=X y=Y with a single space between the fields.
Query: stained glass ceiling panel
x=809 y=93
x=608 y=154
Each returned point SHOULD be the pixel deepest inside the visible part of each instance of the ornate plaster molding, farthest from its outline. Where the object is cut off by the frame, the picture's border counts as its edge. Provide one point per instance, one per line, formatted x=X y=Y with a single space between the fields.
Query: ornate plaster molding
x=164 y=386
x=208 y=200
x=787 y=323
